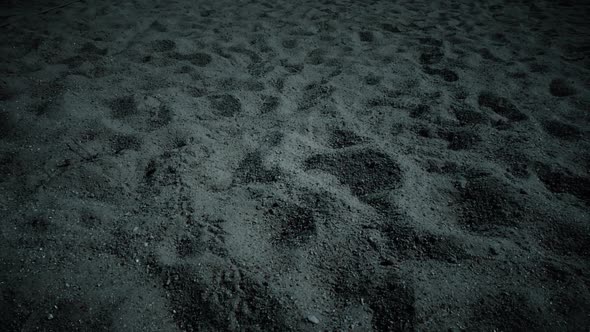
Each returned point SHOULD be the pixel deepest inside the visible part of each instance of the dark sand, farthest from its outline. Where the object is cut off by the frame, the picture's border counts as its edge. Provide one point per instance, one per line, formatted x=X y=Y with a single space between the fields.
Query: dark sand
x=295 y=166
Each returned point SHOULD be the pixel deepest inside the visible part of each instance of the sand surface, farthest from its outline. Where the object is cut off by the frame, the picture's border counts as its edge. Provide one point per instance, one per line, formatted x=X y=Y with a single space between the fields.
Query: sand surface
x=295 y=166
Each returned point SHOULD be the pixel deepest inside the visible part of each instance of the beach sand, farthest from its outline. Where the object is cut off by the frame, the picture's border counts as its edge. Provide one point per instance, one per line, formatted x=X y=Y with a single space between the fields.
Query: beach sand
x=295 y=166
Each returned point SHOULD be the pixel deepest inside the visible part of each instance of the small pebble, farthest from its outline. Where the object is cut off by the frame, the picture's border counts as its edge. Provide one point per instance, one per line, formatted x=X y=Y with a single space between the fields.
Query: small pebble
x=494 y=251
x=49 y=317
x=313 y=319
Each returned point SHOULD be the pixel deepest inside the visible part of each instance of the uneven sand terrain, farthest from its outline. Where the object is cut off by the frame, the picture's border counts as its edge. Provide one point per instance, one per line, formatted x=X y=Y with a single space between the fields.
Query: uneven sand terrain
x=295 y=165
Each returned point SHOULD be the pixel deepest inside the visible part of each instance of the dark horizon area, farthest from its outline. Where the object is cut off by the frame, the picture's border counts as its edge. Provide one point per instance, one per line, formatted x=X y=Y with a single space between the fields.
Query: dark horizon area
x=337 y=165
